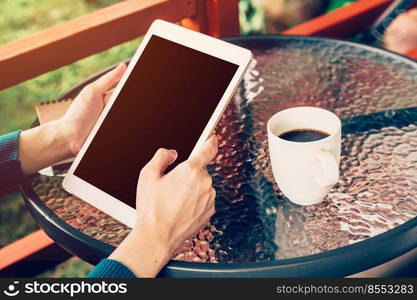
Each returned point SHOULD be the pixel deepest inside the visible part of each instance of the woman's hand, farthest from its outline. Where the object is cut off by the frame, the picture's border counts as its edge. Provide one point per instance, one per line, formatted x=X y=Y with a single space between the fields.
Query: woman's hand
x=174 y=206
x=401 y=34
x=55 y=141
x=170 y=208
x=87 y=107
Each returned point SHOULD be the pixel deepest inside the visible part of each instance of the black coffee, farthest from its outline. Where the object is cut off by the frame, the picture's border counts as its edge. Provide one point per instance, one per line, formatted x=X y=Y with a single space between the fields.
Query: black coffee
x=303 y=135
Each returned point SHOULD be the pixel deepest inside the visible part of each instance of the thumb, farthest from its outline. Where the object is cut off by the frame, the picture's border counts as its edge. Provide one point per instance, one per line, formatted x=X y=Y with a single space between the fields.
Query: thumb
x=160 y=161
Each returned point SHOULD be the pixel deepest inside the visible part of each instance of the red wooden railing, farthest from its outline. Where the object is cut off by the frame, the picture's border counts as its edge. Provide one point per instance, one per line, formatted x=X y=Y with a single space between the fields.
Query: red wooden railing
x=68 y=42
x=344 y=22
x=30 y=256
x=412 y=53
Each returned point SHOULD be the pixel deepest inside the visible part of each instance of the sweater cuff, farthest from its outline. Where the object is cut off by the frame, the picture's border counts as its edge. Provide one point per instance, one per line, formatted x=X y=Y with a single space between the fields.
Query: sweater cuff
x=9 y=146
x=10 y=169
x=109 y=268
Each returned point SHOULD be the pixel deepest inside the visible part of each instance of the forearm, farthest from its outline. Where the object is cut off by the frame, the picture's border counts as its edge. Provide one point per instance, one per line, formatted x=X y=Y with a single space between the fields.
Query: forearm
x=42 y=146
x=142 y=253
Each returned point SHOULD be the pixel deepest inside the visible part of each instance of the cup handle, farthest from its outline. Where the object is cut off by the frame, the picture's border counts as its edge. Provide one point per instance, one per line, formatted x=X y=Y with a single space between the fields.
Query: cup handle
x=327 y=174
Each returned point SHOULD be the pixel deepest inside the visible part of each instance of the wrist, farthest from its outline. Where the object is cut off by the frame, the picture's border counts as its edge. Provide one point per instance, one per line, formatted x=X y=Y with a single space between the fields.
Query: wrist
x=42 y=146
x=61 y=137
x=155 y=231
x=143 y=253
x=153 y=235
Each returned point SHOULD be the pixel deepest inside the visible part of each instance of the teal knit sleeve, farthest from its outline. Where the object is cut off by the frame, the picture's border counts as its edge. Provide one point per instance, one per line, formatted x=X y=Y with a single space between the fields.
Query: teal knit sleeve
x=10 y=170
x=109 y=268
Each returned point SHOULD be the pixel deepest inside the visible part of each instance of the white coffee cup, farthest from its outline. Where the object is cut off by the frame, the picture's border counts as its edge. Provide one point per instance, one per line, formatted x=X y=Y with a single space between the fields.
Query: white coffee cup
x=305 y=171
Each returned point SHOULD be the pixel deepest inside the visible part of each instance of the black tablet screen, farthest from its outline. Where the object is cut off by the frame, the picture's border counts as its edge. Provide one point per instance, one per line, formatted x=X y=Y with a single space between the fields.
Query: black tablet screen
x=166 y=102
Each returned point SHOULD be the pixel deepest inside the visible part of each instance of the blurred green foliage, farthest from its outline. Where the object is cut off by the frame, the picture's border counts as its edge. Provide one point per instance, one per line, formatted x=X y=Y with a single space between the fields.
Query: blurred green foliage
x=72 y=268
x=15 y=222
x=335 y=4
x=251 y=17
x=20 y=18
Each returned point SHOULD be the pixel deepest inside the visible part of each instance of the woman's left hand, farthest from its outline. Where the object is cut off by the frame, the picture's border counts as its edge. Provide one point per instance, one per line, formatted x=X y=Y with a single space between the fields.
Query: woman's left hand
x=87 y=107
x=57 y=140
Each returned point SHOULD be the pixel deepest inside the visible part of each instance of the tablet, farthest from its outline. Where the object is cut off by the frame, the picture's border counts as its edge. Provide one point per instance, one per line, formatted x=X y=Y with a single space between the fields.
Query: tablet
x=171 y=96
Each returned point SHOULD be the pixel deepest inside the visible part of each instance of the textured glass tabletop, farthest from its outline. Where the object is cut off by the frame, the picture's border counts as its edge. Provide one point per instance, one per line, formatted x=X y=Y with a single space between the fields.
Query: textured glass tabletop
x=372 y=91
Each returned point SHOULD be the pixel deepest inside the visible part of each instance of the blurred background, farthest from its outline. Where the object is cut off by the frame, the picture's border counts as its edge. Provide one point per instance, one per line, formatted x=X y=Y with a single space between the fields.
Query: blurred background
x=20 y=18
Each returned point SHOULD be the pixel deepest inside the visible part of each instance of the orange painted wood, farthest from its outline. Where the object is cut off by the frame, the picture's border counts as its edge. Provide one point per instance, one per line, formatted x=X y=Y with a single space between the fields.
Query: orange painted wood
x=26 y=246
x=23 y=248
x=66 y=43
x=343 y=22
x=218 y=18
x=412 y=53
x=30 y=256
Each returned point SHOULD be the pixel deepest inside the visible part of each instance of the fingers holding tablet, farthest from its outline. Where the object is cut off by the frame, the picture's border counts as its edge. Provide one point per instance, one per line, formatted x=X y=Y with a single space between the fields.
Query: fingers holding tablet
x=108 y=80
x=86 y=108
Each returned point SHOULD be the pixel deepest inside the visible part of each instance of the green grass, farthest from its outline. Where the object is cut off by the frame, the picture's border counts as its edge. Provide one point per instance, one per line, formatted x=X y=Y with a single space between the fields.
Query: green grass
x=15 y=221
x=72 y=268
x=20 y=18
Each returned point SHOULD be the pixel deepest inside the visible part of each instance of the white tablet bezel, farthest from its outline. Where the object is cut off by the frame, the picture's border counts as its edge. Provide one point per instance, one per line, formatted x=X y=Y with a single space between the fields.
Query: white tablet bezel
x=175 y=33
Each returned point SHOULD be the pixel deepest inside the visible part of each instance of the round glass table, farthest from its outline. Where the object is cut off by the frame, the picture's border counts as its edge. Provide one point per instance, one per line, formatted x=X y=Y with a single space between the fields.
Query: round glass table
x=367 y=219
